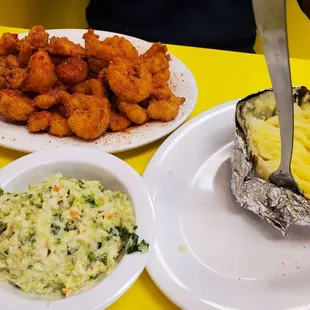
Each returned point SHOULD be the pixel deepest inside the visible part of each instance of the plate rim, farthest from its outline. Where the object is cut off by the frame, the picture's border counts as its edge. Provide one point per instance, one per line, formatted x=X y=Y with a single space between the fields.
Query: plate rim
x=7 y=143
x=169 y=290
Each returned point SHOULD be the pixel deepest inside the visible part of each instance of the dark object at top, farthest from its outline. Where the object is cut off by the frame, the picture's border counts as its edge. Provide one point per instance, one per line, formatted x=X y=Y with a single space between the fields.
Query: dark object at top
x=219 y=24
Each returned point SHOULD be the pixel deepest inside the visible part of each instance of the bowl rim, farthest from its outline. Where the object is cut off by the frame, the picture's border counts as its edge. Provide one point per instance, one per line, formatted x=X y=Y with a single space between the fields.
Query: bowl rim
x=129 y=268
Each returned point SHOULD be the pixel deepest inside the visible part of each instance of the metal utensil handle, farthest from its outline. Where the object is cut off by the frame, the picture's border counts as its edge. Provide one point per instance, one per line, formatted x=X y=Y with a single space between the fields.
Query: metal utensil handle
x=270 y=18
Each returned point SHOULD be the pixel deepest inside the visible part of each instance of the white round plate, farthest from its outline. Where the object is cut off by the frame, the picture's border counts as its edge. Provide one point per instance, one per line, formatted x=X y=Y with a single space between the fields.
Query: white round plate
x=182 y=83
x=209 y=253
x=113 y=174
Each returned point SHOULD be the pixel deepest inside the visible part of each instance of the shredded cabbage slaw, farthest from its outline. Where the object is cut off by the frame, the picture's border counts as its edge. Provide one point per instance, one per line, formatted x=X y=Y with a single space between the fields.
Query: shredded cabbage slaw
x=63 y=234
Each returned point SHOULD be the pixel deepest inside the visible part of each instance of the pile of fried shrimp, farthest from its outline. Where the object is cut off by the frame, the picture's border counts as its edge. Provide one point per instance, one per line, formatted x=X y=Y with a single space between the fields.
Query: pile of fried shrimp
x=54 y=85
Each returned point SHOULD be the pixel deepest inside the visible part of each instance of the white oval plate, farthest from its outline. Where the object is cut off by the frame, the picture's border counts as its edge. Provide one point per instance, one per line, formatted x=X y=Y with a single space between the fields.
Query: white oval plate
x=181 y=82
x=209 y=253
x=112 y=173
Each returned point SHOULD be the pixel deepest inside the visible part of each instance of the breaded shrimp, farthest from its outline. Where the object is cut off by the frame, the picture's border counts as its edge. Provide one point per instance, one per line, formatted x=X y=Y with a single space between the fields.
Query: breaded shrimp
x=96 y=88
x=64 y=47
x=9 y=43
x=156 y=48
x=87 y=125
x=53 y=97
x=164 y=110
x=39 y=121
x=3 y=72
x=11 y=61
x=82 y=88
x=156 y=63
x=160 y=79
x=156 y=58
x=41 y=76
x=60 y=85
x=15 y=78
x=73 y=70
x=14 y=106
x=38 y=37
x=11 y=76
x=118 y=122
x=103 y=77
x=91 y=87
x=129 y=81
x=2 y=62
x=84 y=102
x=57 y=60
x=89 y=116
x=96 y=65
x=25 y=52
x=133 y=111
x=163 y=92
x=59 y=126
x=109 y=48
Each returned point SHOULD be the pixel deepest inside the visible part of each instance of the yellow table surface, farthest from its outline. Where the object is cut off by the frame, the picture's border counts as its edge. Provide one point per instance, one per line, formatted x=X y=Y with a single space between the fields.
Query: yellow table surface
x=221 y=76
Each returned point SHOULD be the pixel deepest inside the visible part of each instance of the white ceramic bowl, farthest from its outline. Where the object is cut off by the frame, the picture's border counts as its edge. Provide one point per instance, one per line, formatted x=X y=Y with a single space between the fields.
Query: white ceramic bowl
x=112 y=173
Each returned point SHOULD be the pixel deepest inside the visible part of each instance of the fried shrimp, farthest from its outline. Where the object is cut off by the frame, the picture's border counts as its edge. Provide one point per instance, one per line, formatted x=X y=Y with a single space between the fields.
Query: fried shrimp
x=9 y=43
x=86 y=103
x=82 y=88
x=130 y=82
x=103 y=77
x=57 y=86
x=14 y=106
x=15 y=78
x=156 y=63
x=156 y=48
x=73 y=70
x=163 y=92
x=156 y=58
x=25 y=52
x=60 y=85
x=86 y=125
x=2 y=61
x=88 y=116
x=160 y=79
x=59 y=126
x=64 y=47
x=37 y=36
x=53 y=97
x=11 y=76
x=11 y=61
x=3 y=72
x=118 y=122
x=109 y=48
x=96 y=88
x=57 y=60
x=164 y=110
x=39 y=121
x=96 y=65
x=91 y=87
x=41 y=75
x=133 y=111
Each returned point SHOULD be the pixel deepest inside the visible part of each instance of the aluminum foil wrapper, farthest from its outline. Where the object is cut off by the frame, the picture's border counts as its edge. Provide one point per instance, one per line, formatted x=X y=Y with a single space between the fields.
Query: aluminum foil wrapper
x=278 y=206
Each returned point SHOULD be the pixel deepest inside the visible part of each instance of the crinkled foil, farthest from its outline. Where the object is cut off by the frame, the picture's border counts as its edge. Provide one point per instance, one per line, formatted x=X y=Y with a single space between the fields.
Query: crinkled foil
x=279 y=206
